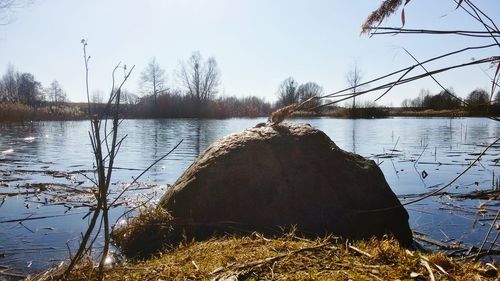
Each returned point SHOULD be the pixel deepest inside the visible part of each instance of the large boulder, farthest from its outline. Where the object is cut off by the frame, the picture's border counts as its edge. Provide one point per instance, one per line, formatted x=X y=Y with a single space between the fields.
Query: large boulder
x=288 y=175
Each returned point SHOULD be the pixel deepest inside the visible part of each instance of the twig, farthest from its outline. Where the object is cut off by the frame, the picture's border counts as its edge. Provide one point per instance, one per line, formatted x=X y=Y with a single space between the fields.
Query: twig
x=31 y=217
x=486 y=16
x=440 y=268
x=134 y=208
x=468 y=12
x=145 y=170
x=494 y=241
x=435 y=242
x=408 y=80
x=195 y=265
x=435 y=80
x=103 y=171
x=493 y=224
x=13 y=275
x=395 y=83
x=91 y=244
x=90 y=179
x=375 y=276
x=456 y=178
x=30 y=230
x=86 y=60
x=487 y=27
x=429 y=269
x=360 y=251
x=411 y=67
x=69 y=250
x=470 y=33
x=437 y=190
x=394 y=148
x=8 y=194
x=269 y=259
x=423 y=150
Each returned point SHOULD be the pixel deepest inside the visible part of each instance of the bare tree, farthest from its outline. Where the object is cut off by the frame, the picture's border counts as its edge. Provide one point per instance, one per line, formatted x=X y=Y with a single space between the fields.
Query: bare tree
x=128 y=97
x=153 y=79
x=406 y=103
x=287 y=92
x=478 y=98
x=55 y=93
x=419 y=101
x=353 y=78
x=308 y=91
x=200 y=78
x=28 y=89
x=10 y=85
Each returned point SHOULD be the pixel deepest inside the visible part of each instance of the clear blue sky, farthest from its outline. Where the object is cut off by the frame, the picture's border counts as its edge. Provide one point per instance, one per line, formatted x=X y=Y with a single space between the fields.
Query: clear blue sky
x=257 y=43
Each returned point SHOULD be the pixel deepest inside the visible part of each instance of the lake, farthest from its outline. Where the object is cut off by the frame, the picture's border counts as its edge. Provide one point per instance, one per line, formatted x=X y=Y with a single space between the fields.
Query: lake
x=44 y=202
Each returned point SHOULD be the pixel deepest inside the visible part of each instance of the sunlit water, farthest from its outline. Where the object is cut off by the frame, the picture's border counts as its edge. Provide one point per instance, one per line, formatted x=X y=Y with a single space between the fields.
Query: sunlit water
x=416 y=156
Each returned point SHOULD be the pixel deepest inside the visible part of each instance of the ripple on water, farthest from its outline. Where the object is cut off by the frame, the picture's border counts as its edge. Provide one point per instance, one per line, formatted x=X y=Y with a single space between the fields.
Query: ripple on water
x=437 y=146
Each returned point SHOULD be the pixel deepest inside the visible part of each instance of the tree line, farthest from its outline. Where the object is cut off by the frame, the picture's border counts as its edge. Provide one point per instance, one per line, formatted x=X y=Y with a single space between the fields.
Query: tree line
x=195 y=95
x=22 y=87
x=477 y=101
x=290 y=92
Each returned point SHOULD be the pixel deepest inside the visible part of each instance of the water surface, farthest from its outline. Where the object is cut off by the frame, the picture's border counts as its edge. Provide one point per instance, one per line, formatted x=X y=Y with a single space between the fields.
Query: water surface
x=415 y=155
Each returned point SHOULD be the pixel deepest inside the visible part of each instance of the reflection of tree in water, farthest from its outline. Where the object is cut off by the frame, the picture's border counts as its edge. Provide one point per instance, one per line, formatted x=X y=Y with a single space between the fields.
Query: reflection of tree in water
x=354 y=128
x=203 y=135
x=155 y=139
x=198 y=134
x=198 y=137
x=157 y=146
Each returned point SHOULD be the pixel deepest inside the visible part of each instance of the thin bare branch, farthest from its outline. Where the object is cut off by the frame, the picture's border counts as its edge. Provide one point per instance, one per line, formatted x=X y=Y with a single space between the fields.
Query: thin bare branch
x=394 y=84
x=435 y=80
x=437 y=191
x=407 y=80
x=487 y=27
x=413 y=66
x=493 y=224
x=468 y=33
x=143 y=172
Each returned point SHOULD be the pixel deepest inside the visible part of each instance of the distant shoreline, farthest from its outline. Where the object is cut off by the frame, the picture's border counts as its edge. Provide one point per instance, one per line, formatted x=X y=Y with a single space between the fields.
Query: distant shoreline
x=77 y=111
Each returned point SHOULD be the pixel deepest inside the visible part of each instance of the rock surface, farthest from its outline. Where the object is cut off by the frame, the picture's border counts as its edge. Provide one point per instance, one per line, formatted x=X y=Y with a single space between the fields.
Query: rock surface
x=288 y=175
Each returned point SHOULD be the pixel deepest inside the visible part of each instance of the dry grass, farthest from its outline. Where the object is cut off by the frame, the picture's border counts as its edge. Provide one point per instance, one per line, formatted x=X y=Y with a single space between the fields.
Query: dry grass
x=144 y=234
x=254 y=257
x=22 y=112
x=433 y=113
x=387 y=8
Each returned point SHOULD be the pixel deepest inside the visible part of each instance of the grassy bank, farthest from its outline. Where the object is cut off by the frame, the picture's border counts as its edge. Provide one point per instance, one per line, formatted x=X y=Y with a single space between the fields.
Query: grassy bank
x=76 y=111
x=255 y=257
x=22 y=112
x=432 y=113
